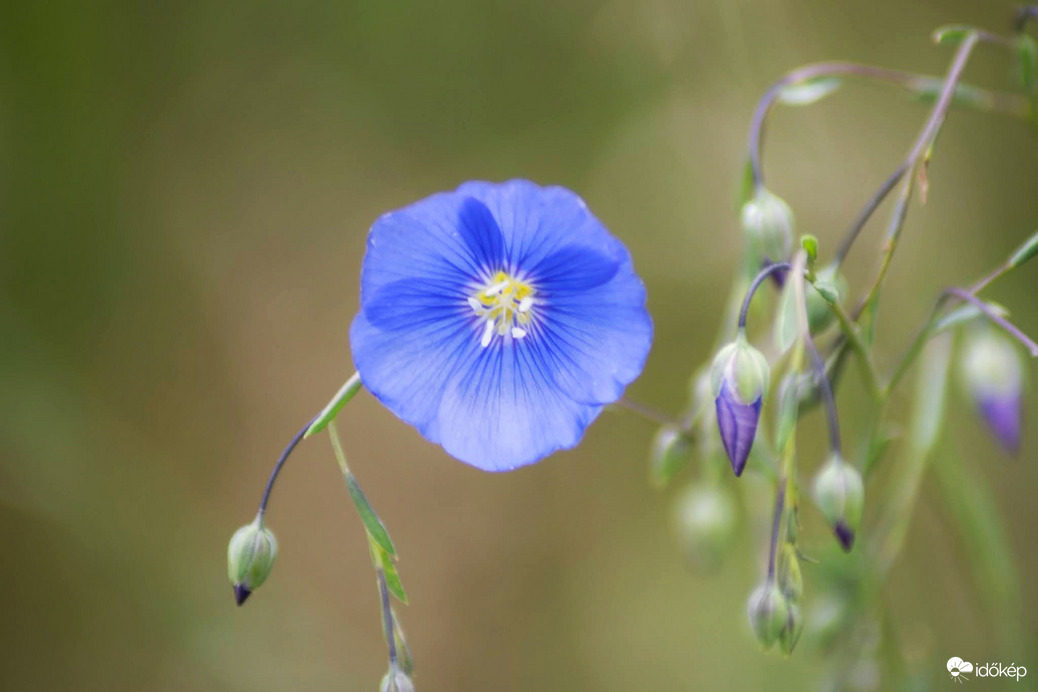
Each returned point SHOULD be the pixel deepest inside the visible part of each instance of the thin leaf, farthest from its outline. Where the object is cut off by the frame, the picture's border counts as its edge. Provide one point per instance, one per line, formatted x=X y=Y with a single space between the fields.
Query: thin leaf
x=392 y=576
x=746 y=186
x=786 y=319
x=341 y=398
x=951 y=34
x=965 y=313
x=1027 y=62
x=807 y=92
x=371 y=522
x=1025 y=252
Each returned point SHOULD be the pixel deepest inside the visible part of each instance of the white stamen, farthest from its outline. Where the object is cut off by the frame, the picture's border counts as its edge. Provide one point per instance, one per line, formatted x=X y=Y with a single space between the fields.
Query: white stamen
x=488 y=334
x=476 y=305
x=525 y=304
x=495 y=289
x=518 y=333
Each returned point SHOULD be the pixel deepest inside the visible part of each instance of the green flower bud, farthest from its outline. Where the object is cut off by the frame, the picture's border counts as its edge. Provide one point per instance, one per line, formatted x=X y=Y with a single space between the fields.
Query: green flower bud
x=705 y=517
x=744 y=368
x=671 y=450
x=396 y=680
x=769 y=612
x=768 y=223
x=250 y=557
x=831 y=282
x=790 y=580
x=840 y=494
x=794 y=627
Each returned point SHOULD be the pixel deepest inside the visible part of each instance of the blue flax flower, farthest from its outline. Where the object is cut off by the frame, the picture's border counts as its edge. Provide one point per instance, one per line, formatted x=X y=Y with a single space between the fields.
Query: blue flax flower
x=498 y=320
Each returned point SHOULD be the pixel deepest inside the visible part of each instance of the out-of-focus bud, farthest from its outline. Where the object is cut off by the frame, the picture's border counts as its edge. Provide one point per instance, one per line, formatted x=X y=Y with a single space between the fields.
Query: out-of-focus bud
x=993 y=374
x=705 y=516
x=840 y=494
x=250 y=558
x=396 y=680
x=827 y=617
x=830 y=281
x=788 y=573
x=739 y=377
x=769 y=613
x=790 y=634
x=768 y=223
x=671 y=450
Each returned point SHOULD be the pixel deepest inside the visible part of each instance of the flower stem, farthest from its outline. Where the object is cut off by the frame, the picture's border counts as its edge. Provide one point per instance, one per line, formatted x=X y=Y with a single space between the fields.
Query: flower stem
x=920 y=85
x=755 y=284
x=1002 y=322
x=277 y=468
x=649 y=413
x=387 y=618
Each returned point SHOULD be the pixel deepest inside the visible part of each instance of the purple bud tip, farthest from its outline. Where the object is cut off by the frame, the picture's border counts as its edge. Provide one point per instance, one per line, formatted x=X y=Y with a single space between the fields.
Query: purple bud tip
x=778 y=277
x=738 y=425
x=1002 y=414
x=845 y=535
x=241 y=592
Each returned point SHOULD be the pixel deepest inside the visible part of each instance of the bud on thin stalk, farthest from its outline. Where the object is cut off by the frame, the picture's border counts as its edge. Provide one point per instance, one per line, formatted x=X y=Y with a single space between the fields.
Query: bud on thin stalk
x=739 y=377
x=992 y=372
x=250 y=558
x=840 y=494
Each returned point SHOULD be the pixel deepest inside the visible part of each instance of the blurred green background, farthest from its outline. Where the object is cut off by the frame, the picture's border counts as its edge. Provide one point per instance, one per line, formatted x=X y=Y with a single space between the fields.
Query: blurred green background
x=185 y=190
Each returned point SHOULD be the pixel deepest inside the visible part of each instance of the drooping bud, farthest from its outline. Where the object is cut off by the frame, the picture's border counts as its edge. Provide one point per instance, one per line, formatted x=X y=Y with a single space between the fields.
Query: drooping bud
x=769 y=613
x=830 y=281
x=250 y=558
x=739 y=377
x=768 y=223
x=840 y=494
x=993 y=374
x=790 y=634
x=705 y=516
x=788 y=575
x=671 y=450
x=396 y=680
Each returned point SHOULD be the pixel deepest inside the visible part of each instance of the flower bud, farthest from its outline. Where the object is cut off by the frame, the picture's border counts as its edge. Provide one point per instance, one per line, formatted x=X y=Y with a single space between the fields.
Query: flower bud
x=671 y=450
x=788 y=575
x=768 y=223
x=840 y=494
x=993 y=375
x=769 y=613
x=250 y=557
x=739 y=376
x=705 y=517
x=830 y=281
x=790 y=634
x=396 y=680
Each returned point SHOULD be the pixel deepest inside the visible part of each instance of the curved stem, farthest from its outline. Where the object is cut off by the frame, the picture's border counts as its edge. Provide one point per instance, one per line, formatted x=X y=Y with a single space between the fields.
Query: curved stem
x=1023 y=16
x=921 y=85
x=1002 y=322
x=755 y=284
x=866 y=213
x=277 y=467
x=649 y=413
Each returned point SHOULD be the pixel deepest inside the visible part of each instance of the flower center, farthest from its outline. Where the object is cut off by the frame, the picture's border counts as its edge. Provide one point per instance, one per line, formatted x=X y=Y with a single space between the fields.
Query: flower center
x=505 y=304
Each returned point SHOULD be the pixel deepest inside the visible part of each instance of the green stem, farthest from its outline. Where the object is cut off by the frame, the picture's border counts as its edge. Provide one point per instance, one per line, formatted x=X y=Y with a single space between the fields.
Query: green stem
x=331 y=410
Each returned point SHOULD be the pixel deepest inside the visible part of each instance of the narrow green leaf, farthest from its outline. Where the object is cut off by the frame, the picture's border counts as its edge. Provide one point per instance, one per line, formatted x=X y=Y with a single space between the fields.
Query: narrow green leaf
x=931 y=390
x=341 y=398
x=927 y=89
x=1027 y=61
x=1025 y=252
x=745 y=191
x=953 y=33
x=786 y=326
x=810 y=91
x=403 y=649
x=965 y=313
x=371 y=522
x=392 y=577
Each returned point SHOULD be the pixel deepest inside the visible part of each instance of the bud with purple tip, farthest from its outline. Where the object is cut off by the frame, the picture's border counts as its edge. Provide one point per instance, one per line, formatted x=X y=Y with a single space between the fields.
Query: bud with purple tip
x=769 y=613
x=993 y=374
x=250 y=558
x=840 y=494
x=739 y=376
x=768 y=223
